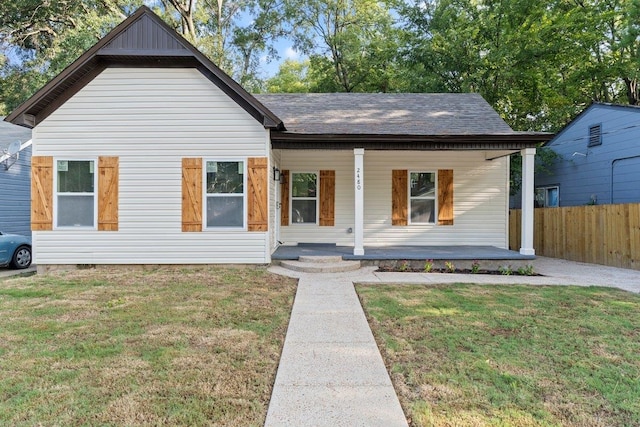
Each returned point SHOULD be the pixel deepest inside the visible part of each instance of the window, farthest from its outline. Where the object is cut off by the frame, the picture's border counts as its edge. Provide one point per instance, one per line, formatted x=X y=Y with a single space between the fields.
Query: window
x=547 y=197
x=422 y=197
x=304 y=198
x=595 y=135
x=225 y=194
x=75 y=195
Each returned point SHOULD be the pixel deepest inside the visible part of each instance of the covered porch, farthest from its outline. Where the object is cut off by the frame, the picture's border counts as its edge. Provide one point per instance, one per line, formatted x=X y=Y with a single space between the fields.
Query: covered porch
x=401 y=253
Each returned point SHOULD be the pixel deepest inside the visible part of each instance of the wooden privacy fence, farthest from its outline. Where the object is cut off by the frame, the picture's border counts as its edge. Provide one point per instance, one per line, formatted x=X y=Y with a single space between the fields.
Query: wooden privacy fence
x=602 y=234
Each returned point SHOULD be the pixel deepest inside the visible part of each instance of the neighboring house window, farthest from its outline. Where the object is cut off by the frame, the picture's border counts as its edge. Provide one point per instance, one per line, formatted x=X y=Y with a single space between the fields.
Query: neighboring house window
x=422 y=197
x=304 y=198
x=595 y=135
x=225 y=204
x=75 y=195
x=547 y=197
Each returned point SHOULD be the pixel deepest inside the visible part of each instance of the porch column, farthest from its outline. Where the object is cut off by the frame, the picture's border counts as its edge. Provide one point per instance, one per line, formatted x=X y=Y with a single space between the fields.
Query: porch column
x=526 y=242
x=358 y=228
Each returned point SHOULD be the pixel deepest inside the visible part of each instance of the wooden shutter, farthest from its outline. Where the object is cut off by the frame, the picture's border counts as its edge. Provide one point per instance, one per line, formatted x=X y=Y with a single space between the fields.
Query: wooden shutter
x=191 y=194
x=41 y=193
x=327 y=198
x=399 y=197
x=258 y=183
x=108 y=171
x=284 y=197
x=445 y=197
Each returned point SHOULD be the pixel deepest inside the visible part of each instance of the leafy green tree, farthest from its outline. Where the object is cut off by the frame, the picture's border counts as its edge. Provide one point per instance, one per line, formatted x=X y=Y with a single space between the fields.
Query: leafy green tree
x=291 y=78
x=351 y=44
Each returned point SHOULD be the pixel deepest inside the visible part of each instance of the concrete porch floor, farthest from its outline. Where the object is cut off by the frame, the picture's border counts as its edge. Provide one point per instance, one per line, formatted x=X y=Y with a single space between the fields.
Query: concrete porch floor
x=375 y=253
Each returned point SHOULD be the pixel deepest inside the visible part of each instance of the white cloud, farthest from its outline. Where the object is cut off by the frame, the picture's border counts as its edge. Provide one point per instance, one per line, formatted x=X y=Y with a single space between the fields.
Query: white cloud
x=291 y=53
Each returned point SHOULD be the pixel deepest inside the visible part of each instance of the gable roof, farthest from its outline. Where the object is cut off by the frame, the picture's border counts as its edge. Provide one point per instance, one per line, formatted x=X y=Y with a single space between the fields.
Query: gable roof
x=326 y=121
x=142 y=39
x=592 y=106
x=418 y=120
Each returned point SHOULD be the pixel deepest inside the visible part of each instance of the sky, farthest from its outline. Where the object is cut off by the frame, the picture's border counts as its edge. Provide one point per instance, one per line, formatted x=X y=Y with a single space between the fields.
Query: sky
x=286 y=51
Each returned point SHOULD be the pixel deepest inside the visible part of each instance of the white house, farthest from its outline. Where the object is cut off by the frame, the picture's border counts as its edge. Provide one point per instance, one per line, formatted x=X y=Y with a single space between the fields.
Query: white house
x=144 y=152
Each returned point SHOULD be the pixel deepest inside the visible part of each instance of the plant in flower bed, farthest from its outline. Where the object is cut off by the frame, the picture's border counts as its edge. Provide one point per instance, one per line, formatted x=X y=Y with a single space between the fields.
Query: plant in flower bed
x=475 y=267
x=449 y=267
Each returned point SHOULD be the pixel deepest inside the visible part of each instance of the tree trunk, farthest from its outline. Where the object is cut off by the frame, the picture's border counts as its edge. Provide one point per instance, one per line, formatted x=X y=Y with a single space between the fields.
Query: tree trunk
x=633 y=94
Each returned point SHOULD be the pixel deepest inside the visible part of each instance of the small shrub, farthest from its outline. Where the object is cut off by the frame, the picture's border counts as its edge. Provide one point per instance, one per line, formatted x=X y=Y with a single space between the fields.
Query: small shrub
x=505 y=270
x=404 y=266
x=526 y=270
x=428 y=266
x=450 y=267
x=475 y=267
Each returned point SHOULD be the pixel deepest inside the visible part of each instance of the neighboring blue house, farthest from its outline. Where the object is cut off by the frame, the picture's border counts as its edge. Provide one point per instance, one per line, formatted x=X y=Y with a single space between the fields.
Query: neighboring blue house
x=15 y=179
x=599 y=160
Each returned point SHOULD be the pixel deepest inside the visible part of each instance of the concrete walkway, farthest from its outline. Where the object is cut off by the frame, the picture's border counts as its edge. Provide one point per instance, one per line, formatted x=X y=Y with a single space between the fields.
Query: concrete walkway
x=331 y=372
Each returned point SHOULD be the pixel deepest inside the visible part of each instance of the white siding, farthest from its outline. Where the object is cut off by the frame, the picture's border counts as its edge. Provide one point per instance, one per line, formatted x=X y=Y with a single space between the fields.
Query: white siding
x=315 y=161
x=150 y=119
x=480 y=198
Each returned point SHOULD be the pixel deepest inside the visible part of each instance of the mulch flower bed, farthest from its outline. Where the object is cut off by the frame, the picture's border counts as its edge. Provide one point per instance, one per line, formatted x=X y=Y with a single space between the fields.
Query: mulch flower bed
x=387 y=269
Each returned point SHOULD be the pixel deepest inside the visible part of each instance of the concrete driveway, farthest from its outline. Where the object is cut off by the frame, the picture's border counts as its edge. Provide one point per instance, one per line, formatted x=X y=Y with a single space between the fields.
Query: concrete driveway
x=8 y=272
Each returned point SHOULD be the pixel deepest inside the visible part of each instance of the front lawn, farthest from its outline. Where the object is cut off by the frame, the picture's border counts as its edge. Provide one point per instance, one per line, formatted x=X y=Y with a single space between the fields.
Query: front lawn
x=161 y=346
x=469 y=355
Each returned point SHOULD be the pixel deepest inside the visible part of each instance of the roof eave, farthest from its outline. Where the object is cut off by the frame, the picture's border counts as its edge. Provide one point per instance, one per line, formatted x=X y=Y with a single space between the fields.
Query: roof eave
x=94 y=59
x=515 y=141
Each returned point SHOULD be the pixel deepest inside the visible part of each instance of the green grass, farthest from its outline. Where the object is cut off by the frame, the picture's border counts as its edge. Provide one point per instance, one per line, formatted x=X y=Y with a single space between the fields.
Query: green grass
x=468 y=355
x=161 y=346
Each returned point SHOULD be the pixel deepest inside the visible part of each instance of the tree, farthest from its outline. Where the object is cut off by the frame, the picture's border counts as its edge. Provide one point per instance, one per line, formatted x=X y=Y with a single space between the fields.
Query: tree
x=351 y=43
x=39 y=39
x=291 y=78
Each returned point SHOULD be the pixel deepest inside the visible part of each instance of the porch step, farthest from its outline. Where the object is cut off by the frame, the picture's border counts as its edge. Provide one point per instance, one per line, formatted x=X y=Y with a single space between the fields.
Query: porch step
x=320 y=259
x=321 y=264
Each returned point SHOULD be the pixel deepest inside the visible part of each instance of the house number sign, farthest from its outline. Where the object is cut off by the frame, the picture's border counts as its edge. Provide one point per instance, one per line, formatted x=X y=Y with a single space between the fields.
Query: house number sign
x=358 y=179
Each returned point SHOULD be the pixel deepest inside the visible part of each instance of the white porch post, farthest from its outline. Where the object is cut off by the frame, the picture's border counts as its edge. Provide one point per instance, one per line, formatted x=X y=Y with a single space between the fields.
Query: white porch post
x=358 y=229
x=526 y=242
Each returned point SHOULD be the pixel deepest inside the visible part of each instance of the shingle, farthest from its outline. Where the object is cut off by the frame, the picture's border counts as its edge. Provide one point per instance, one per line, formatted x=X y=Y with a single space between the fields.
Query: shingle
x=384 y=113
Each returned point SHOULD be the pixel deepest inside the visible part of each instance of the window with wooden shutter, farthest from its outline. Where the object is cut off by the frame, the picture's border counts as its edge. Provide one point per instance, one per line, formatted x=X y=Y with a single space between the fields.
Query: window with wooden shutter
x=108 y=171
x=422 y=197
x=284 y=197
x=399 y=183
x=191 y=194
x=75 y=193
x=445 y=197
x=327 y=197
x=41 y=193
x=257 y=204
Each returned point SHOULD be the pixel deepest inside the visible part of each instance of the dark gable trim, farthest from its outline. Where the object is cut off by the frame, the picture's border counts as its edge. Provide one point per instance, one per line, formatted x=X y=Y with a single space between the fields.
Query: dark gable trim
x=515 y=141
x=102 y=55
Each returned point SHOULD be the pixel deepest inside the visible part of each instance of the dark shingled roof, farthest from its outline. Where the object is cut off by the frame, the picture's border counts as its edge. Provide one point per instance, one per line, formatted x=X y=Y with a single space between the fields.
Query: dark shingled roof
x=386 y=113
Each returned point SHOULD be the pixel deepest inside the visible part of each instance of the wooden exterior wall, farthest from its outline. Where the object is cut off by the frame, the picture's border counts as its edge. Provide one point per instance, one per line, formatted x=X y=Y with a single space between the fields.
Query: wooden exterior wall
x=150 y=119
x=601 y=234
